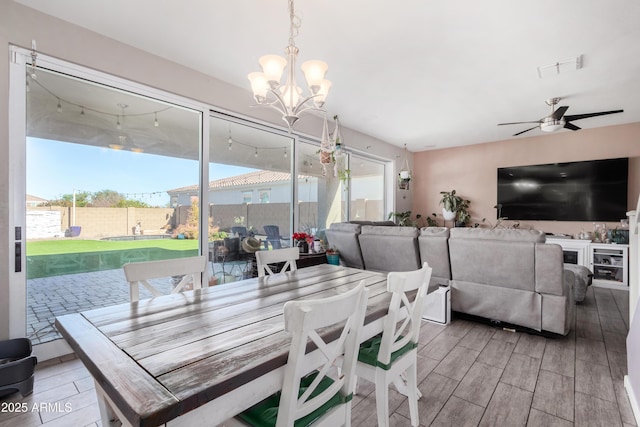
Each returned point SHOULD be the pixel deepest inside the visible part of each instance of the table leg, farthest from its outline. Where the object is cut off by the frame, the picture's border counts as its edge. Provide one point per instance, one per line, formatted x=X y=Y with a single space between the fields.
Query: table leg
x=109 y=417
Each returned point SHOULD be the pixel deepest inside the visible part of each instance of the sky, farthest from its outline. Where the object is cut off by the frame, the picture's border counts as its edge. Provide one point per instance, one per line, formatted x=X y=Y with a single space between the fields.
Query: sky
x=55 y=168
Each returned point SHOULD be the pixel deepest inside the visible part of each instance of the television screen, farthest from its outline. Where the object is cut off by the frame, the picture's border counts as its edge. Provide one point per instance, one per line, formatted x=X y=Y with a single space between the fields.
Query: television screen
x=576 y=191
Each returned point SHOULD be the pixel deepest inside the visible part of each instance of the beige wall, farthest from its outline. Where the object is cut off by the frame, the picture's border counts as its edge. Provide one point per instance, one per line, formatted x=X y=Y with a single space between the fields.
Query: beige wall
x=19 y=25
x=109 y=222
x=472 y=170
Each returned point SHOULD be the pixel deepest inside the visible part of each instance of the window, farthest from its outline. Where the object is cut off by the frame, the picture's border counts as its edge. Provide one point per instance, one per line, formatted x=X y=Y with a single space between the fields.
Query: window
x=263 y=195
x=366 y=189
x=247 y=196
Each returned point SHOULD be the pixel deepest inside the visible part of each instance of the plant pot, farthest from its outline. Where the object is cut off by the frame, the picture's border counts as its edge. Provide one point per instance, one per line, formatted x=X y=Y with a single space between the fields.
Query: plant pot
x=448 y=215
x=303 y=246
x=333 y=259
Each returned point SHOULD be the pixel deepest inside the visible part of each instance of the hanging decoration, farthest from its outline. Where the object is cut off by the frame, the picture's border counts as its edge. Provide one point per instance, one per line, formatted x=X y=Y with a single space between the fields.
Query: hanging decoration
x=331 y=147
x=404 y=177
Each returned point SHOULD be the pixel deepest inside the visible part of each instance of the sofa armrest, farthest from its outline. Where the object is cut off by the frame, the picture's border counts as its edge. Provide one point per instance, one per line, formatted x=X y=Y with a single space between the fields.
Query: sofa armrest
x=549 y=269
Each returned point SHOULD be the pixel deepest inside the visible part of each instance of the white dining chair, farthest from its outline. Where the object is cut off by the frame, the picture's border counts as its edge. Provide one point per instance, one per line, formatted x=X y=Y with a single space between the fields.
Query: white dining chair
x=287 y=255
x=139 y=273
x=392 y=356
x=312 y=392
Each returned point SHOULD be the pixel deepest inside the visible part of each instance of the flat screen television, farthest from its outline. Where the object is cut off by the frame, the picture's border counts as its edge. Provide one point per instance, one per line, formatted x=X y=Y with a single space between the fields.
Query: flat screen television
x=577 y=191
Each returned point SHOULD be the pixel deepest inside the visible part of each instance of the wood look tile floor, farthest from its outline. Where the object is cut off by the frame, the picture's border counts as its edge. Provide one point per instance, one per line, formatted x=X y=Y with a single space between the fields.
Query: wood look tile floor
x=470 y=374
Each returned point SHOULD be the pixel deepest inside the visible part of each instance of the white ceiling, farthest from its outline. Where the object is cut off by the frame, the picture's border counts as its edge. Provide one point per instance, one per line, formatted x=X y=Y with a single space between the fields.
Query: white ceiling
x=429 y=74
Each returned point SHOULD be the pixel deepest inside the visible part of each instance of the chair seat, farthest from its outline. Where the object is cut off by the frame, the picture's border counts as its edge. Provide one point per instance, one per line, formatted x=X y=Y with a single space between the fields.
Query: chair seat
x=265 y=413
x=369 y=352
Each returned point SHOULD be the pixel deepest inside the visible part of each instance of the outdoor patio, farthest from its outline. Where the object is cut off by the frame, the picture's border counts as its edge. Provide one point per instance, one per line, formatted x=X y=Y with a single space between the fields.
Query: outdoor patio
x=58 y=295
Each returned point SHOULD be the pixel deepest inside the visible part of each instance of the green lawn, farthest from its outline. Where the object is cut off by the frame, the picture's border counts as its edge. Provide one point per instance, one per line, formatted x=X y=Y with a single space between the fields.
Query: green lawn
x=53 y=247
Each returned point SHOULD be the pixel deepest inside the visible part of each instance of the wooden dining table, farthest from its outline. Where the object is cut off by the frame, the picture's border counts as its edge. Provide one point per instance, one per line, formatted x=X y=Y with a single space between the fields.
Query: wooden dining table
x=200 y=357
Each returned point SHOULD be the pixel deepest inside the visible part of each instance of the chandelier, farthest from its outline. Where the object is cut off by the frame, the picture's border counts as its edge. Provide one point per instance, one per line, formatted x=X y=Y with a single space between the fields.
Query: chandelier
x=288 y=99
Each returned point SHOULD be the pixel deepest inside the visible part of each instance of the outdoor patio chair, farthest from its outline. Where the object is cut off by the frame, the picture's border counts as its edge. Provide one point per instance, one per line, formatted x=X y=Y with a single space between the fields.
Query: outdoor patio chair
x=139 y=273
x=240 y=231
x=288 y=256
x=393 y=355
x=273 y=236
x=16 y=367
x=312 y=393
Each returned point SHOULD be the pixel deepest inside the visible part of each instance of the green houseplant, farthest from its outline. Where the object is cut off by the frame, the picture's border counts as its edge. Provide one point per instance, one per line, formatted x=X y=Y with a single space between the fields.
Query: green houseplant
x=450 y=203
x=455 y=208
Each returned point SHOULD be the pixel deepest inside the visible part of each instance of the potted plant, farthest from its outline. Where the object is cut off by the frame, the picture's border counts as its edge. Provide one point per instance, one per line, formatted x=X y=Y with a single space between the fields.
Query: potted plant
x=450 y=203
x=455 y=208
x=402 y=218
x=333 y=256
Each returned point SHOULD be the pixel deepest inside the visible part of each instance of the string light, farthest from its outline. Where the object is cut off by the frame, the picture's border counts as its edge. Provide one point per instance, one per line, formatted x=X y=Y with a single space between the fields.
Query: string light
x=83 y=109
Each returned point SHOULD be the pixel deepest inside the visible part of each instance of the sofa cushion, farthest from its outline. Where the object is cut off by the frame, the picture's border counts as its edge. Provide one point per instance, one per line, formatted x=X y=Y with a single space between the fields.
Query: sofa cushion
x=549 y=268
x=507 y=264
x=433 y=244
x=344 y=237
x=389 y=248
x=389 y=231
x=535 y=236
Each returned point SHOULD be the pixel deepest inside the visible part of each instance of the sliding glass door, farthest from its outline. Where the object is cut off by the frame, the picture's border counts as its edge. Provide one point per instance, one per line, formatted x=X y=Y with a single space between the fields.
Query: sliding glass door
x=99 y=162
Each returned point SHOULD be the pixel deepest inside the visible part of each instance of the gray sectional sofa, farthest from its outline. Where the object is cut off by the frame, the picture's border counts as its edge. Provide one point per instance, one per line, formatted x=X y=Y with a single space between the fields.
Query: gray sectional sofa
x=507 y=275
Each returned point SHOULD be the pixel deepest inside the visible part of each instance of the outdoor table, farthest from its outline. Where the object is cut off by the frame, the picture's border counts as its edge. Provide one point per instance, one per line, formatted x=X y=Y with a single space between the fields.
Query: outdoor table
x=203 y=356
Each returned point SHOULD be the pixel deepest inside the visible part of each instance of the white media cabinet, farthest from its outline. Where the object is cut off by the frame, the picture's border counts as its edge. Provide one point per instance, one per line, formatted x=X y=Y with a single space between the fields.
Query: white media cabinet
x=608 y=262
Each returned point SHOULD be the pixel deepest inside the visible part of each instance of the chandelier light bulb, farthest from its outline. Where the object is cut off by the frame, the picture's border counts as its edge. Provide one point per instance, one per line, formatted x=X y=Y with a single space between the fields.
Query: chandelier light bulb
x=259 y=86
x=256 y=153
x=321 y=96
x=155 y=121
x=285 y=153
x=290 y=96
x=118 y=125
x=272 y=67
x=314 y=72
x=82 y=111
x=230 y=142
x=59 y=107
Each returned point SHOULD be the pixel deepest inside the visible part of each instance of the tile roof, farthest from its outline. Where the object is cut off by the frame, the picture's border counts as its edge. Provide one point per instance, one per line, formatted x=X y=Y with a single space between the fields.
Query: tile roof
x=251 y=178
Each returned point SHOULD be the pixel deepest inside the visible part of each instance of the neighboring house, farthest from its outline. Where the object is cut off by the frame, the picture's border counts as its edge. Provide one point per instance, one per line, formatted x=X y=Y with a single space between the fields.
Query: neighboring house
x=253 y=187
x=33 y=201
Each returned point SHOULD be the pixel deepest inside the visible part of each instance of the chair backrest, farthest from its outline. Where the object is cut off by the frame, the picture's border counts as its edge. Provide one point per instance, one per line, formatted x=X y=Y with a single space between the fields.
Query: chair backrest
x=139 y=273
x=396 y=334
x=302 y=320
x=287 y=255
x=273 y=235
x=240 y=231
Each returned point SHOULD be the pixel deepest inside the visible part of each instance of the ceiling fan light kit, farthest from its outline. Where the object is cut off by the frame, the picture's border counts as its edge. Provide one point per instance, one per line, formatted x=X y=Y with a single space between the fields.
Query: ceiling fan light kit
x=557 y=119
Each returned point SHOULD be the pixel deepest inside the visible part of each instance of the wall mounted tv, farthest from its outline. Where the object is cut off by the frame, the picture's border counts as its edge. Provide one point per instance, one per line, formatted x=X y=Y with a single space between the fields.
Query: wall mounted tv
x=576 y=191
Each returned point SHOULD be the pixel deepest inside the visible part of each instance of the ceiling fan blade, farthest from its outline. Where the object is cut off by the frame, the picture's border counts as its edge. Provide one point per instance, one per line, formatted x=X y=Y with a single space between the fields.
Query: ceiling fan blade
x=557 y=115
x=571 y=126
x=585 y=116
x=520 y=133
x=518 y=123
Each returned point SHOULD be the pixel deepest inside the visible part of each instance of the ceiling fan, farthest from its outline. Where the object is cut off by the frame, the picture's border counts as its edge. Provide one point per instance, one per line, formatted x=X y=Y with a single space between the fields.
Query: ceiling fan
x=557 y=120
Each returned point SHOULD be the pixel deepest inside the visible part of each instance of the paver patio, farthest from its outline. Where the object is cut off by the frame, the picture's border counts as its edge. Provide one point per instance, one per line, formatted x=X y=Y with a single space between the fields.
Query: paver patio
x=49 y=297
